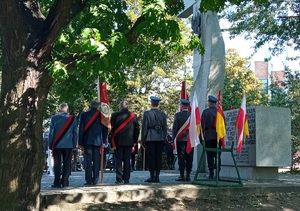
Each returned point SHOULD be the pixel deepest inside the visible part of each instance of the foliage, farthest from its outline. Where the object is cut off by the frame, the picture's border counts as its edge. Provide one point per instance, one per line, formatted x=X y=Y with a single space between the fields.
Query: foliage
x=219 y=5
x=271 y=22
x=277 y=24
x=240 y=79
x=287 y=94
x=158 y=53
x=163 y=82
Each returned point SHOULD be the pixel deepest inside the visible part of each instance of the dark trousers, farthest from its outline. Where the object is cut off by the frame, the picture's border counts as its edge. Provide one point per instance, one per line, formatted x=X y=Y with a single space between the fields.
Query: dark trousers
x=64 y=156
x=123 y=154
x=185 y=161
x=212 y=156
x=154 y=155
x=92 y=163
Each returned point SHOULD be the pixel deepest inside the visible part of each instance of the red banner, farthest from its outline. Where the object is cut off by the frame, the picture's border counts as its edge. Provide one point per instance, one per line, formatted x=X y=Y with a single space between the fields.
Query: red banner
x=104 y=104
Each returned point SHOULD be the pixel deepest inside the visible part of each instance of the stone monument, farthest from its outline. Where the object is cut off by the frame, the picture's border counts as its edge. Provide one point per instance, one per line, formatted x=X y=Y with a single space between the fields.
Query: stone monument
x=267 y=148
x=209 y=69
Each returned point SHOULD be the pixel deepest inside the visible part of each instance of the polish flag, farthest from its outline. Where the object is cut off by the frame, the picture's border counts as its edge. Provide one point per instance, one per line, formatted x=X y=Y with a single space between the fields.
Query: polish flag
x=241 y=124
x=194 y=130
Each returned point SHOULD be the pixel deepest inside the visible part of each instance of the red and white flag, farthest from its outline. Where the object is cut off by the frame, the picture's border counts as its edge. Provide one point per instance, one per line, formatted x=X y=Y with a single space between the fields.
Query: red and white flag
x=104 y=104
x=241 y=124
x=194 y=129
x=183 y=95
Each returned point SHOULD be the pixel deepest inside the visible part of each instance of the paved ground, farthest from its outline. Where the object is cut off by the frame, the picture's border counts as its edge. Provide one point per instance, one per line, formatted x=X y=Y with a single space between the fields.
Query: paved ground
x=138 y=190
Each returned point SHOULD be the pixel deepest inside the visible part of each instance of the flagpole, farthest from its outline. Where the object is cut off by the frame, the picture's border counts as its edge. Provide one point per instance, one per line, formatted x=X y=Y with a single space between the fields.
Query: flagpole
x=101 y=166
x=185 y=95
x=102 y=147
x=201 y=132
x=98 y=89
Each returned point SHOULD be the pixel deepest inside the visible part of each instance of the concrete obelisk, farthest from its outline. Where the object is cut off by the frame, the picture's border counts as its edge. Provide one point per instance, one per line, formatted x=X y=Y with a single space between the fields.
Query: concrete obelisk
x=209 y=69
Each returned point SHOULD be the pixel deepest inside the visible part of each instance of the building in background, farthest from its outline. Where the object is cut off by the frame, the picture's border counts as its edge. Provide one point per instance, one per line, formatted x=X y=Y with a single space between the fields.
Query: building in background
x=264 y=73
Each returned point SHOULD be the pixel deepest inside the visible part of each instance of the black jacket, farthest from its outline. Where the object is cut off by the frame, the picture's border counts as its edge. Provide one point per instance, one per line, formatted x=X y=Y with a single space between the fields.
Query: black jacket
x=208 y=119
x=179 y=119
x=130 y=133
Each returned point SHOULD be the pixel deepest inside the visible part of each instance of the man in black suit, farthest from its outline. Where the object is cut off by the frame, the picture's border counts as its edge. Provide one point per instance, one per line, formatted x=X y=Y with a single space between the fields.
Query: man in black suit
x=124 y=135
x=208 y=119
x=154 y=132
x=180 y=135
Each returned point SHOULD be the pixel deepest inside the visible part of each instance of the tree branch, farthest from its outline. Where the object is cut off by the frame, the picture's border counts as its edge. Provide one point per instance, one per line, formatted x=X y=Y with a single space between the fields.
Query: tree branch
x=60 y=14
x=72 y=61
x=132 y=35
x=288 y=17
x=32 y=15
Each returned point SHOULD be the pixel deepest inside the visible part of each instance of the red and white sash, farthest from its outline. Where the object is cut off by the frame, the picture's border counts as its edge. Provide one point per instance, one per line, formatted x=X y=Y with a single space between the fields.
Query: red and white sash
x=182 y=131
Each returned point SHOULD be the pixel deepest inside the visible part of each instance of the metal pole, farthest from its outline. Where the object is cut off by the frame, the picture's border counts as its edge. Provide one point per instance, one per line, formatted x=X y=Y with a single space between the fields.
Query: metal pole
x=101 y=165
x=144 y=156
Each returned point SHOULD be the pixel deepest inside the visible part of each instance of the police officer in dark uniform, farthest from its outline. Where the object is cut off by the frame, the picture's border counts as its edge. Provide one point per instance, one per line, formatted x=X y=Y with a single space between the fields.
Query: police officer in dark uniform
x=208 y=119
x=185 y=160
x=154 y=132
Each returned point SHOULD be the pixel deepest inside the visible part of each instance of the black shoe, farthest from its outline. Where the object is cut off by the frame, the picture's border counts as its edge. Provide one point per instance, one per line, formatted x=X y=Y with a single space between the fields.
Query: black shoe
x=118 y=182
x=151 y=179
x=55 y=186
x=180 y=179
x=126 y=182
x=187 y=178
x=211 y=176
x=88 y=184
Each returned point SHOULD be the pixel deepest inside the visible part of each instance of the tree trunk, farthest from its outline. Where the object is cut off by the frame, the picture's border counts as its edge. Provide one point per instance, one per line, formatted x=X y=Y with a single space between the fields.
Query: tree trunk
x=27 y=40
x=23 y=96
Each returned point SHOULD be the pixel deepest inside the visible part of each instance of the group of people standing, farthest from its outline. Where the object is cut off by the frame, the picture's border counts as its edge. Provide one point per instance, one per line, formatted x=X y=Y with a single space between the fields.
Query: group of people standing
x=123 y=138
x=63 y=136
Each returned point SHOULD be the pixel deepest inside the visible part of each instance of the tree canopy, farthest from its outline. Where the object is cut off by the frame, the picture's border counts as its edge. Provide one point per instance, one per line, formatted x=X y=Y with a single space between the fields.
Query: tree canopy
x=114 y=41
x=48 y=41
x=287 y=94
x=239 y=79
x=275 y=23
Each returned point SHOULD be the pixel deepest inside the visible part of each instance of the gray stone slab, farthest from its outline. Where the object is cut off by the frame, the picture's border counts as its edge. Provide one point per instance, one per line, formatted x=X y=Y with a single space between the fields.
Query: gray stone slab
x=269 y=144
x=267 y=148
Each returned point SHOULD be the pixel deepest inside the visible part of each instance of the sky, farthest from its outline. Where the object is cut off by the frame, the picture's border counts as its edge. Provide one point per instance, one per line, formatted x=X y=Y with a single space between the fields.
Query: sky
x=245 y=49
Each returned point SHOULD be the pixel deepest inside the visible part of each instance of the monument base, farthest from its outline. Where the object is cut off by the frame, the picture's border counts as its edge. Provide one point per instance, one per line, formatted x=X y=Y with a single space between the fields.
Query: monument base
x=250 y=173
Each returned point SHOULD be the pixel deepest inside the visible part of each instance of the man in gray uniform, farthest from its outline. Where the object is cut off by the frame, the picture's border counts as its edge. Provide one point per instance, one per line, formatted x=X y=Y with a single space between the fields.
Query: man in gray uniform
x=154 y=132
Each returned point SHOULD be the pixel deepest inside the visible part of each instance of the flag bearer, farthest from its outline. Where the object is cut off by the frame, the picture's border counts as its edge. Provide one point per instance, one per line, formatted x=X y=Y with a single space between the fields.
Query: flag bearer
x=181 y=135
